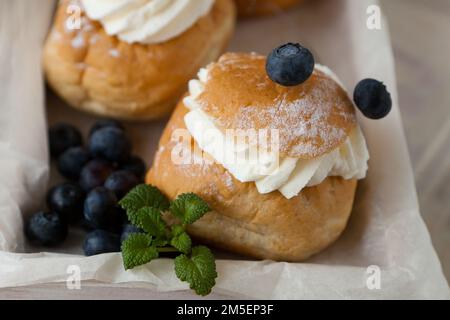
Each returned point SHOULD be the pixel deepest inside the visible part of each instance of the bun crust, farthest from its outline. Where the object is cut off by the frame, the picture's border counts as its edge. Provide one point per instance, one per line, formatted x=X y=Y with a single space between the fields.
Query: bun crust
x=248 y=8
x=265 y=226
x=313 y=118
x=100 y=74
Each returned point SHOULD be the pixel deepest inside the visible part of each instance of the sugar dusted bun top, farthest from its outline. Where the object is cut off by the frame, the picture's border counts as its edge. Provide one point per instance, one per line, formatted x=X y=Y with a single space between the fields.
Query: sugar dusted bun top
x=313 y=118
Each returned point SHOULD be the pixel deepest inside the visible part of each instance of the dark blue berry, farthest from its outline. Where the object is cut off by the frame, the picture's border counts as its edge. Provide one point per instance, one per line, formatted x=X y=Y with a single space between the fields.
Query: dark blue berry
x=122 y=216
x=105 y=123
x=62 y=137
x=121 y=182
x=129 y=229
x=100 y=210
x=100 y=241
x=110 y=143
x=47 y=229
x=372 y=98
x=72 y=161
x=290 y=65
x=94 y=174
x=67 y=199
x=136 y=166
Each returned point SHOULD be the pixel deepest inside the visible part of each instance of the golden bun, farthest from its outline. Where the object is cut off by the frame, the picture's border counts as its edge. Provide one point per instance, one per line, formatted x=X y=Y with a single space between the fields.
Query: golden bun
x=100 y=74
x=312 y=118
x=264 y=226
x=248 y=8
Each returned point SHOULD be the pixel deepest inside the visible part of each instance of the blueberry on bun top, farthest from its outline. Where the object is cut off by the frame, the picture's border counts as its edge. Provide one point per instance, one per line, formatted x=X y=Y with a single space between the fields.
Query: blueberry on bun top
x=290 y=64
x=312 y=118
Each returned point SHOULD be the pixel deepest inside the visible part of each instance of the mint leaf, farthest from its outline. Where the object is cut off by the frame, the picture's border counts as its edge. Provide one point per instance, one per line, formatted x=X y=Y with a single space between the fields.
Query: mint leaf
x=180 y=239
x=199 y=270
x=143 y=196
x=150 y=220
x=160 y=242
x=137 y=250
x=189 y=207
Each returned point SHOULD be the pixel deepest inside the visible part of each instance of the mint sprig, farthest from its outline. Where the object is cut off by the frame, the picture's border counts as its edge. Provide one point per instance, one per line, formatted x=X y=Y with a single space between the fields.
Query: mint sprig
x=143 y=196
x=145 y=205
x=188 y=207
x=199 y=270
x=180 y=239
x=137 y=250
x=150 y=220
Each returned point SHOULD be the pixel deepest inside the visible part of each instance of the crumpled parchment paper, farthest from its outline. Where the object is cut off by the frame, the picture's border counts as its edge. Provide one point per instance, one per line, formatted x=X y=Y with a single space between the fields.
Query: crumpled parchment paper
x=385 y=230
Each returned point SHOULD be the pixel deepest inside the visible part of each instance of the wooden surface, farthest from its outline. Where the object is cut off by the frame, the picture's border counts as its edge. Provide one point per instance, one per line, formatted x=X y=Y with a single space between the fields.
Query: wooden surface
x=420 y=31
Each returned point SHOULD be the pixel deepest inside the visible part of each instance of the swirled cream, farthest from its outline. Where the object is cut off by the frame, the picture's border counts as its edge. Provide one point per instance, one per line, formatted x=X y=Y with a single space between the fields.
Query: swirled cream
x=146 y=21
x=288 y=175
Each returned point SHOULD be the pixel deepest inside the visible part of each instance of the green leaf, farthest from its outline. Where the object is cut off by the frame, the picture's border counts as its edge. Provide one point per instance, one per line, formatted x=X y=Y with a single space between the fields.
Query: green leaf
x=150 y=220
x=199 y=270
x=180 y=239
x=189 y=207
x=137 y=250
x=143 y=196
x=160 y=242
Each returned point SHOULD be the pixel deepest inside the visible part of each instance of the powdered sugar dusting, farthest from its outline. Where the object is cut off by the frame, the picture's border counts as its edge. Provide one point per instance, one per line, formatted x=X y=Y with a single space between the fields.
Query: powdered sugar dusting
x=299 y=118
x=78 y=41
x=114 y=53
x=312 y=118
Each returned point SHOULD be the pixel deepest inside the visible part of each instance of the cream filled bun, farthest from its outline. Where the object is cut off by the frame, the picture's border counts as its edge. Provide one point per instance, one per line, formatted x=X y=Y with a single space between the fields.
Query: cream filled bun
x=132 y=59
x=248 y=8
x=293 y=200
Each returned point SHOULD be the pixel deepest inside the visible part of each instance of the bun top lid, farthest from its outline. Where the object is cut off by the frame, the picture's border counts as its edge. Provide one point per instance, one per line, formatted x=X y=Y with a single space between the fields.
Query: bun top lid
x=312 y=118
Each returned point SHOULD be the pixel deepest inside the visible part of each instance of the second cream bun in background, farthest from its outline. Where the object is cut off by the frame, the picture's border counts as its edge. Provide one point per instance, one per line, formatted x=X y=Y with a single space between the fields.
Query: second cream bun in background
x=249 y=8
x=265 y=226
x=100 y=74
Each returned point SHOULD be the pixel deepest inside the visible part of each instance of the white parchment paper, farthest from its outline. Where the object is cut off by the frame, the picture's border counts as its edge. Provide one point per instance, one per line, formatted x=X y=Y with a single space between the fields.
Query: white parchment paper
x=385 y=230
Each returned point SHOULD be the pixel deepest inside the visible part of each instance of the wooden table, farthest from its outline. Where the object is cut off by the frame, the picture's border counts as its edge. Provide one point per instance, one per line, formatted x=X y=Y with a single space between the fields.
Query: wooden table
x=420 y=37
x=420 y=31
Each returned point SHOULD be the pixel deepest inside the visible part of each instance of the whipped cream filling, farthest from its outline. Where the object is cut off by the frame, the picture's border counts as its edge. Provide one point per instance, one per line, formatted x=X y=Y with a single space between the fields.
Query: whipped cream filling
x=146 y=21
x=270 y=173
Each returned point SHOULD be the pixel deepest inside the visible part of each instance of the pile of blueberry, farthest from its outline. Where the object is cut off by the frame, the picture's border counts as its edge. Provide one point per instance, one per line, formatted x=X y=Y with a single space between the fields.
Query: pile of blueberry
x=98 y=175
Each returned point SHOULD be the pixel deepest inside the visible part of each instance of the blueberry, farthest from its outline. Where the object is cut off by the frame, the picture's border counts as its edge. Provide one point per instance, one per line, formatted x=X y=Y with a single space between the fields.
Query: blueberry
x=62 y=137
x=111 y=144
x=67 y=199
x=100 y=210
x=94 y=174
x=290 y=65
x=47 y=229
x=105 y=123
x=121 y=182
x=100 y=241
x=122 y=216
x=129 y=229
x=72 y=161
x=372 y=98
x=136 y=166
